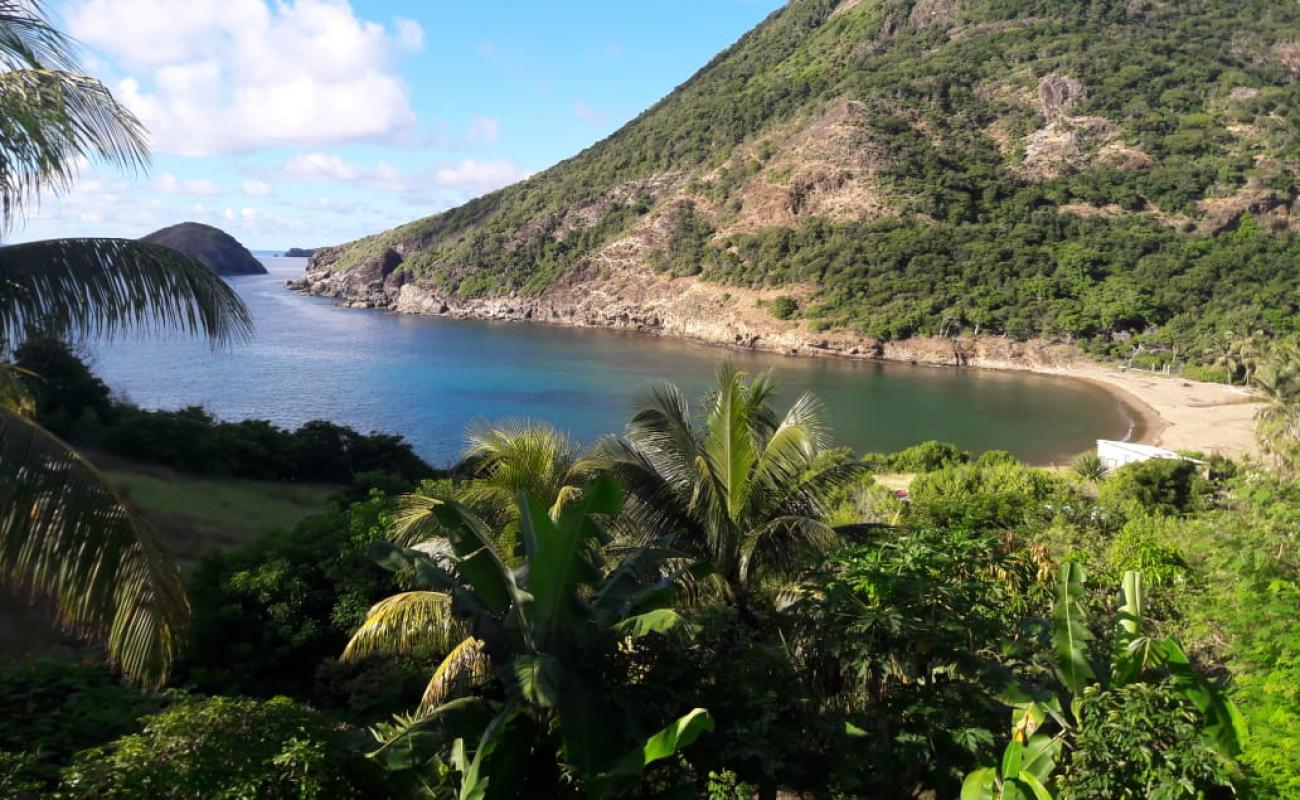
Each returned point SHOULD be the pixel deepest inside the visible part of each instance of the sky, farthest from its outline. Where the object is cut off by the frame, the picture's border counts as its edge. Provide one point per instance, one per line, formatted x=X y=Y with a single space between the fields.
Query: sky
x=313 y=122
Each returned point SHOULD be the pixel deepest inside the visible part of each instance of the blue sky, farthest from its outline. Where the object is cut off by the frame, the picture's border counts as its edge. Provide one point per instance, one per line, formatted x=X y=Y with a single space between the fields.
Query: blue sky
x=309 y=122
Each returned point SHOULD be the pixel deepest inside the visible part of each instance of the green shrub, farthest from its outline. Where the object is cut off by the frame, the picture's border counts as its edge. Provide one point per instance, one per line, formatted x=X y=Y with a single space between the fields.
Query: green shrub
x=927 y=457
x=1089 y=467
x=783 y=307
x=993 y=458
x=1159 y=486
x=266 y=616
x=1142 y=545
x=1144 y=742
x=226 y=747
x=52 y=709
x=1208 y=374
x=975 y=498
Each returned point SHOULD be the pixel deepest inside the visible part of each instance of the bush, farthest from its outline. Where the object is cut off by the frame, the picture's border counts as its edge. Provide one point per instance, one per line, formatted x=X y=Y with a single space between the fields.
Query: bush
x=784 y=307
x=1208 y=374
x=975 y=498
x=927 y=457
x=267 y=615
x=231 y=748
x=1142 y=741
x=70 y=400
x=1159 y=486
x=51 y=710
x=1142 y=545
x=1089 y=467
x=993 y=458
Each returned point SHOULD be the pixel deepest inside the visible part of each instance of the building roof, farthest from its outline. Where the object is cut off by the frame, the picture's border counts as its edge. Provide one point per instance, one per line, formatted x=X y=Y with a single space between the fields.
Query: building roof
x=1145 y=450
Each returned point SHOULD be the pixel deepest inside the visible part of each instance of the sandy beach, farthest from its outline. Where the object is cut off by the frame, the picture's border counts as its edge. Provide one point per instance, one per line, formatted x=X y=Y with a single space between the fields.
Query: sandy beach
x=1177 y=413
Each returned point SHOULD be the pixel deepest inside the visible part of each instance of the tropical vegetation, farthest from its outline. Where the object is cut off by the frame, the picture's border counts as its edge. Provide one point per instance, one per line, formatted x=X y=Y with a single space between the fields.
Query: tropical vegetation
x=65 y=535
x=981 y=638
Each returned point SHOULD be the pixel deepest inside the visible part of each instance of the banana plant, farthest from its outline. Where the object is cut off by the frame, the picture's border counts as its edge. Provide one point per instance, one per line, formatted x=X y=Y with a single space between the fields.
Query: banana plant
x=547 y=630
x=1030 y=758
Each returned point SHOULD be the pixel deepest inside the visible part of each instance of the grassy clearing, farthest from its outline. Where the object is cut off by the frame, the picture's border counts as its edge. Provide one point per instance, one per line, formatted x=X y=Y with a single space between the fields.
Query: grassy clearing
x=194 y=516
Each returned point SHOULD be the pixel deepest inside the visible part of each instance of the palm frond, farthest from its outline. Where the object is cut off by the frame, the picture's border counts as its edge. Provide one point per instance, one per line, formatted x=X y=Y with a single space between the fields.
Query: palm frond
x=413 y=522
x=466 y=665
x=50 y=120
x=655 y=507
x=793 y=447
x=405 y=623
x=776 y=545
x=14 y=395
x=28 y=40
x=729 y=447
x=523 y=456
x=67 y=536
x=102 y=287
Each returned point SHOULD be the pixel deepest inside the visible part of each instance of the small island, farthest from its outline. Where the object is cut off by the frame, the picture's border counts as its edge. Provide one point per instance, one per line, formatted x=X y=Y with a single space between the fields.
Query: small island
x=214 y=247
x=299 y=252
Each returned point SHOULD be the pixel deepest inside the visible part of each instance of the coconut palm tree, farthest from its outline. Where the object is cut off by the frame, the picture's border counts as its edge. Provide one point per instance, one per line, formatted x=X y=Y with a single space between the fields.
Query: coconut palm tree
x=743 y=489
x=1277 y=425
x=65 y=535
x=1241 y=354
x=502 y=460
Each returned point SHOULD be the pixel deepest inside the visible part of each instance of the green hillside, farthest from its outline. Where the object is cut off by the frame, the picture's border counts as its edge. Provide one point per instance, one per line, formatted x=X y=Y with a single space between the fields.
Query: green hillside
x=1053 y=169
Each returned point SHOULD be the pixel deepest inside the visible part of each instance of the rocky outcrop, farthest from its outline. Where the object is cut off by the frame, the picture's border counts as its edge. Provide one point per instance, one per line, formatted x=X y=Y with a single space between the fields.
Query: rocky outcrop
x=1058 y=94
x=298 y=252
x=214 y=247
x=610 y=295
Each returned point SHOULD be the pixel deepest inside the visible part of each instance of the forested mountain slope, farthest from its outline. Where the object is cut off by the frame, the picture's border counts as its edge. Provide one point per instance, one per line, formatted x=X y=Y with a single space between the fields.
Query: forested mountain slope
x=853 y=172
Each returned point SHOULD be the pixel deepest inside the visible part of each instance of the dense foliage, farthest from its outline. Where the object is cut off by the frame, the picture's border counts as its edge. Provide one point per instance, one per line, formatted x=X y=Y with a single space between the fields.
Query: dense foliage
x=1008 y=629
x=1184 y=242
x=226 y=748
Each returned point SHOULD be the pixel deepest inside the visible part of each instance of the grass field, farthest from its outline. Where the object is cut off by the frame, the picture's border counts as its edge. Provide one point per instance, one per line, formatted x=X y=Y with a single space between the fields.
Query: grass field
x=192 y=516
x=196 y=515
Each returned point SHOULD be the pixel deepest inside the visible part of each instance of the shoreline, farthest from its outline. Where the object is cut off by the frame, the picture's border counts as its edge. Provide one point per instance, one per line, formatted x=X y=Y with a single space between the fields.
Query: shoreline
x=1166 y=411
x=1179 y=414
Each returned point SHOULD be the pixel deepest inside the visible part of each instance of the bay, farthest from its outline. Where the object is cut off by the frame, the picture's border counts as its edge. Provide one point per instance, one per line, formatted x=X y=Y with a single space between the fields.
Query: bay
x=430 y=378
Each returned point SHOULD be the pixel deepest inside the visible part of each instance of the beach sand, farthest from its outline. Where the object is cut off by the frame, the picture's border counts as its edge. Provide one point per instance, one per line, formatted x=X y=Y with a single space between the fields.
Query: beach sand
x=1179 y=414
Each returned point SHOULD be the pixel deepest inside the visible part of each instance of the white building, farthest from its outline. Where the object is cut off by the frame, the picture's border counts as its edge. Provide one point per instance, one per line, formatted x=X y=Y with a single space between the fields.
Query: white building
x=1114 y=455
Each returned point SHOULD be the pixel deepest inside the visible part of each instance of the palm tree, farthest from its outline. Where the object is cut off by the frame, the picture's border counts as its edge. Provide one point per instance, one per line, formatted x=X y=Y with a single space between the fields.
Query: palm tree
x=530 y=457
x=502 y=460
x=745 y=490
x=65 y=535
x=1277 y=425
x=1241 y=354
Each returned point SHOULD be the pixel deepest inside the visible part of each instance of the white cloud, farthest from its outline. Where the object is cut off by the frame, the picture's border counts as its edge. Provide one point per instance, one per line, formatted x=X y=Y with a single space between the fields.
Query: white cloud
x=409 y=33
x=322 y=167
x=254 y=188
x=475 y=177
x=170 y=184
x=223 y=76
x=483 y=129
x=589 y=115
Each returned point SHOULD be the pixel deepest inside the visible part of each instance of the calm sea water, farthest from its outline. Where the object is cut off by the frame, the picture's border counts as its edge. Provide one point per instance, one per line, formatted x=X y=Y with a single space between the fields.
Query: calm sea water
x=429 y=379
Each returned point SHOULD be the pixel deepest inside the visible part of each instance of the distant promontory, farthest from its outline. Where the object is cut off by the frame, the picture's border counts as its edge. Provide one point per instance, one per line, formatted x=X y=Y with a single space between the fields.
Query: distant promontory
x=213 y=246
x=298 y=252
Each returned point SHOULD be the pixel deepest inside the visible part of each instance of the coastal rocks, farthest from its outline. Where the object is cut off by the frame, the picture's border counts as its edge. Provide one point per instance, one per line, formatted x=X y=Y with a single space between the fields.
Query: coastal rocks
x=613 y=296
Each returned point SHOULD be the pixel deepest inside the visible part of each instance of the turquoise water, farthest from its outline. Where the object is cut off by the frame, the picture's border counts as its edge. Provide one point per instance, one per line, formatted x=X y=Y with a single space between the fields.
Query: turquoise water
x=429 y=378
